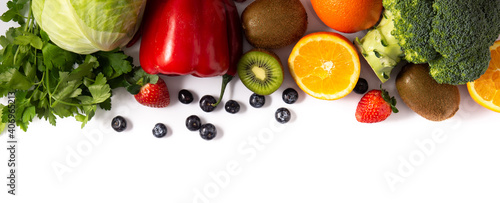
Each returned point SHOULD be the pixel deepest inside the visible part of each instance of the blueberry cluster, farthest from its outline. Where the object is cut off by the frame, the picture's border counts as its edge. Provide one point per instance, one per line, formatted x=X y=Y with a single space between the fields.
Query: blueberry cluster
x=119 y=124
x=282 y=115
x=208 y=131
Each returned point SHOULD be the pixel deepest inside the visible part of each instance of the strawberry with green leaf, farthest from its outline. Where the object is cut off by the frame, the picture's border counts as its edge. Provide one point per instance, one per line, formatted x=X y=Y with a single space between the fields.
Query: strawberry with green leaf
x=154 y=95
x=375 y=106
x=149 y=90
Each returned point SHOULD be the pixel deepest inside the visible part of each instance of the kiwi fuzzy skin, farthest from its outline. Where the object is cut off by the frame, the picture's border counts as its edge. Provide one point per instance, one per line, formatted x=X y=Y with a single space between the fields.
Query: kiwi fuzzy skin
x=422 y=94
x=272 y=24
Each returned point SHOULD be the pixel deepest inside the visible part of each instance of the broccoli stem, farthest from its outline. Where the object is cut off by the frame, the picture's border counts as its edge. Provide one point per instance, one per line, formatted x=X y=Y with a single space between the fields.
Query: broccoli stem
x=380 y=48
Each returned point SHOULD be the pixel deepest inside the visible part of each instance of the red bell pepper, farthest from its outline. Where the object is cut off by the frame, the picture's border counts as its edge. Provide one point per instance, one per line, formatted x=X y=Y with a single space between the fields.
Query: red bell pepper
x=198 y=37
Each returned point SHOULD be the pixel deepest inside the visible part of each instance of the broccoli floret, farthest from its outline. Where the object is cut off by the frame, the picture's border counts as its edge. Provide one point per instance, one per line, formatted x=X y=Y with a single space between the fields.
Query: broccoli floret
x=462 y=33
x=493 y=18
x=456 y=28
x=457 y=72
x=412 y=27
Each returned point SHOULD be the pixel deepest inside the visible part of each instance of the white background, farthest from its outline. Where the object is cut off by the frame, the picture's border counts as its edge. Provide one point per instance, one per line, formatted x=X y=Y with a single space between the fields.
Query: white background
x=322 y=155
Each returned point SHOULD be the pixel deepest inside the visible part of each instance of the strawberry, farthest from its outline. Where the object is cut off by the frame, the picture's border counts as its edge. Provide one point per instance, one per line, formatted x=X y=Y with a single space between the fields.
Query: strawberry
x=154 y=95
x=375 y=106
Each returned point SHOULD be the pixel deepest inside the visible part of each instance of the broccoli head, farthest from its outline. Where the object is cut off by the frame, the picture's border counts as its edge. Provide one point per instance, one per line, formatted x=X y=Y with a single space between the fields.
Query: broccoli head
x=453 y=36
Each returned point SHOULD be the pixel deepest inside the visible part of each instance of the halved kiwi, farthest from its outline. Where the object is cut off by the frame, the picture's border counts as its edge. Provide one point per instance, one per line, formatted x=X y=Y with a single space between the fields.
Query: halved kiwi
x=260 y=71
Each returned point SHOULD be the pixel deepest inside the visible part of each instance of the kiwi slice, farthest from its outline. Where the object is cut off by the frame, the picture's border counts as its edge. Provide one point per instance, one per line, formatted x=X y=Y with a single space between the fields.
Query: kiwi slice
x=260 y=71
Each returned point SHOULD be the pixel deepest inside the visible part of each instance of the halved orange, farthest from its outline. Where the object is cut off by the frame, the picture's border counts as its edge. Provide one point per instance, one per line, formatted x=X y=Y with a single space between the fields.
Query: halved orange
x=486 y=89
x=325 y=65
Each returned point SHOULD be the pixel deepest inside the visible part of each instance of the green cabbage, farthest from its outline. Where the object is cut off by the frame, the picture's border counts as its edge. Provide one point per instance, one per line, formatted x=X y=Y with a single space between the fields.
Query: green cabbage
x=87 y=26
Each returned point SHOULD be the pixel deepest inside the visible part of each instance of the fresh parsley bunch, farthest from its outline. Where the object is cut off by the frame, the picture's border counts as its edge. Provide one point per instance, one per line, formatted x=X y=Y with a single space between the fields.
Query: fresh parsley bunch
x=51 y=82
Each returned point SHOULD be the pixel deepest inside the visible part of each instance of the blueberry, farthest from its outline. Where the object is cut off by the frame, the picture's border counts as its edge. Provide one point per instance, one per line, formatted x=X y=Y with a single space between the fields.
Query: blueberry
x=257 y=101
x=206 y=103
x=185 y=96
x=290 y=96
x=193 y=123
x=160 y=130
x=119 y=123
x=232 y=106
x=361 y=86
x=283 y=115
x=208 y=131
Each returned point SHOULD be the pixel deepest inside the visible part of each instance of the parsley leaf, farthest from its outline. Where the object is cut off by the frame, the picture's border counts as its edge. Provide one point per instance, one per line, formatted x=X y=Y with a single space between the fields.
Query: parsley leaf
x=114 y=64
x=29 y=39
x=15 y=11
x=13 y=79
x=54 y=56
x=100 y=90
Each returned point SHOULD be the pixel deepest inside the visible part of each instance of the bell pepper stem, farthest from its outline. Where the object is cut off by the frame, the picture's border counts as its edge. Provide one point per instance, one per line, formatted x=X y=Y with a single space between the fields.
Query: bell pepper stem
x=226 y=78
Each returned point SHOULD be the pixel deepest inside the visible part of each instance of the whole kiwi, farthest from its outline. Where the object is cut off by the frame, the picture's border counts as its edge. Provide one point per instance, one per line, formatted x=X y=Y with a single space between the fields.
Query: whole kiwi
x=272 y=24
x=422 y=94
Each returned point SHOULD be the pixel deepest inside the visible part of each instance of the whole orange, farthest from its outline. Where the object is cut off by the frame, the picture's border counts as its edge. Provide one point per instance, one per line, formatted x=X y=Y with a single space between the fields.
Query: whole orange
x=348 y=16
